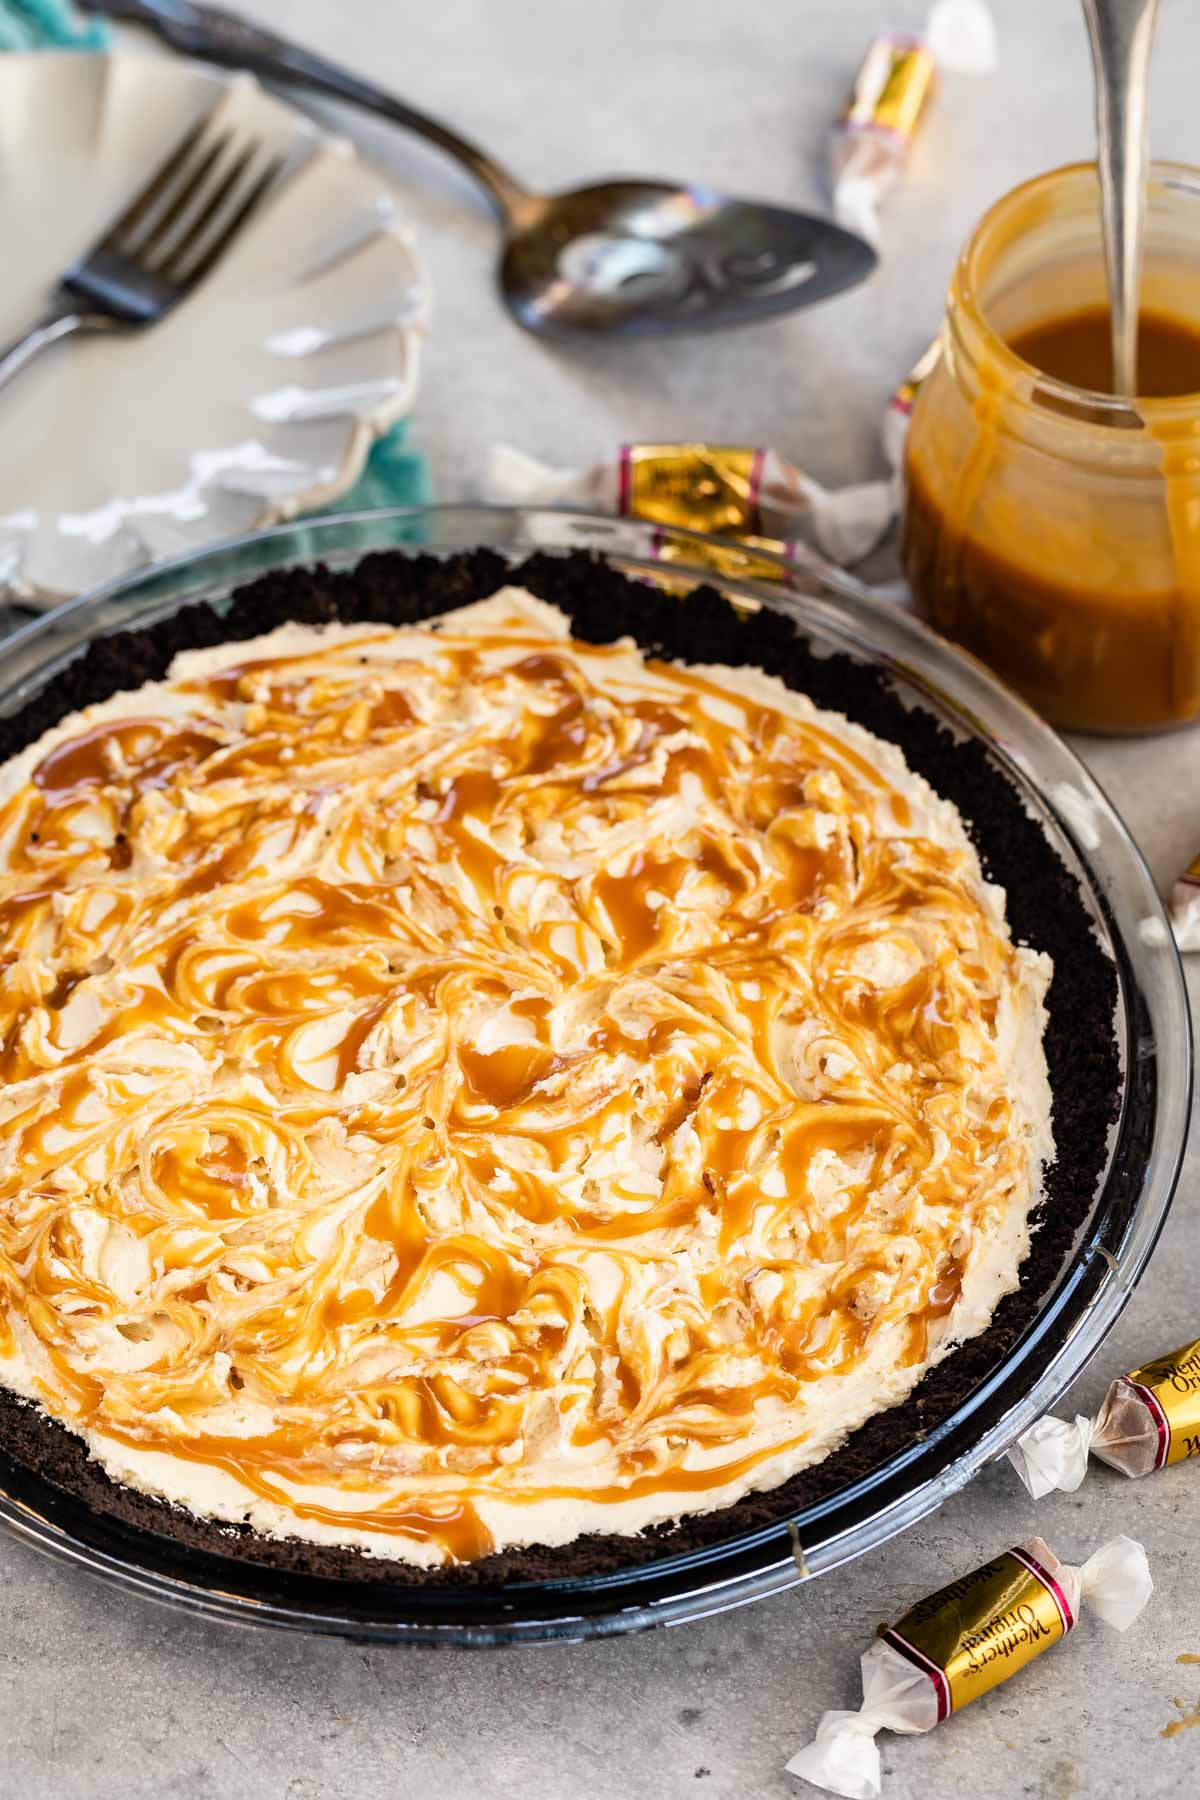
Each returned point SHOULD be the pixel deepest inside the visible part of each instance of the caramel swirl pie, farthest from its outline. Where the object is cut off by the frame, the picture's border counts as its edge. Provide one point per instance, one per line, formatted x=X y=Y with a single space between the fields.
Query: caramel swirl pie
x=467 y=1087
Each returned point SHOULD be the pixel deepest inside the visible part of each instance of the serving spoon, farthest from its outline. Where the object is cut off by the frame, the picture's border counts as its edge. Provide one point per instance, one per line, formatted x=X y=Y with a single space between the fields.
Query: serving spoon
x=636 y=257
x=1121 y=33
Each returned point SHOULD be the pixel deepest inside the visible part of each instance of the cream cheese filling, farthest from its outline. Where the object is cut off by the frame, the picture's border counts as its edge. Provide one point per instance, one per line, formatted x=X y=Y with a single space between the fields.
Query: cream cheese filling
x=464 y=1087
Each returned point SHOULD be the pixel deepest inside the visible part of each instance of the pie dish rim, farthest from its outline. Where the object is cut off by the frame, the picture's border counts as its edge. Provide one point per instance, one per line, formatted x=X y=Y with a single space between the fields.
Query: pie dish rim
x=696 y=1578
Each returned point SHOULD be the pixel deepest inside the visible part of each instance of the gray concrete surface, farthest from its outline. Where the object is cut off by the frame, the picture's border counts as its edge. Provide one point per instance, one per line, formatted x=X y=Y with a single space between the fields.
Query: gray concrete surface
x=102 y=1695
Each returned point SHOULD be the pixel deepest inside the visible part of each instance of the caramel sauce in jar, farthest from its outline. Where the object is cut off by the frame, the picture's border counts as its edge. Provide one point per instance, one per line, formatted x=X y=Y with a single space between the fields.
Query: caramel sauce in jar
x=1050 y=526
x=1076 y=347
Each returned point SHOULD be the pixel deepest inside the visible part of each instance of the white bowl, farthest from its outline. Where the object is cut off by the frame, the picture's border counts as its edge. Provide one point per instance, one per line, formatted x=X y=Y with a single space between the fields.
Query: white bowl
x=257 y=398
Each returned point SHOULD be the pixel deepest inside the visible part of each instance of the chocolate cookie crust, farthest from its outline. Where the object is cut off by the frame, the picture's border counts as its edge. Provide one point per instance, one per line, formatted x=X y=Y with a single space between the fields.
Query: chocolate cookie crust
x=1045 y=910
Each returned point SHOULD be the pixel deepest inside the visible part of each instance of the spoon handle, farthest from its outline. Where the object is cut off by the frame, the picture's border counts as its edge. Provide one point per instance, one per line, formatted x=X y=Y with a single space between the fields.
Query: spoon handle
x=1121 y=33
x=214 y=35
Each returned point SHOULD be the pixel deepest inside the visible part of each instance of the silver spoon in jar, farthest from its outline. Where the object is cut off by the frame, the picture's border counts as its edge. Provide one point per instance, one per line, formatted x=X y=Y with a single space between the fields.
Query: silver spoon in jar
x=634 y=257
x=1121 y=33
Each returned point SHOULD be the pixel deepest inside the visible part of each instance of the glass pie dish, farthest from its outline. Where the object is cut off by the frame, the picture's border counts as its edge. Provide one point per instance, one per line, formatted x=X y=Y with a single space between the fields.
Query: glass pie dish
x=1079 y=1304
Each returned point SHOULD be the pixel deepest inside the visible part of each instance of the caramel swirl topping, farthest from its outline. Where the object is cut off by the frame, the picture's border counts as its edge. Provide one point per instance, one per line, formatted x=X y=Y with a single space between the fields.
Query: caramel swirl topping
x=464 y=1086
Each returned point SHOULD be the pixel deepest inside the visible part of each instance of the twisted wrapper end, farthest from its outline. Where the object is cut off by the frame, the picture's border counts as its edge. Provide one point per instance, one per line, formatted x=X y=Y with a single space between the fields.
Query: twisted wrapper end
x=1116 y=1582
x=843 y=1758
x=1052 y=1456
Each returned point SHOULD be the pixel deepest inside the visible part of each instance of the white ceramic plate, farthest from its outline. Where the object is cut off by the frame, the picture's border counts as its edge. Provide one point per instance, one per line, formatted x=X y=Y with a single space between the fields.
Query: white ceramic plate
x=257 y=398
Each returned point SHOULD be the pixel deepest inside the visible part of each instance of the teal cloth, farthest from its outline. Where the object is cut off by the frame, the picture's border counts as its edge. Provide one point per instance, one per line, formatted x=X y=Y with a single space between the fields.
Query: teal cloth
x=54 y=24
x=395 y=474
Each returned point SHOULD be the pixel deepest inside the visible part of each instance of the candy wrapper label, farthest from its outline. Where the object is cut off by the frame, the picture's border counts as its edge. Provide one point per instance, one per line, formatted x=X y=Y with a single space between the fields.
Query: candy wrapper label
x=892 y=88
x=977 y=1632
x=702 y=487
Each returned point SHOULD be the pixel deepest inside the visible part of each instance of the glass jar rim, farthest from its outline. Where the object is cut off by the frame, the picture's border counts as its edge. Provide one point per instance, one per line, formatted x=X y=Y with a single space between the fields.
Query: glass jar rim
x=966 y=284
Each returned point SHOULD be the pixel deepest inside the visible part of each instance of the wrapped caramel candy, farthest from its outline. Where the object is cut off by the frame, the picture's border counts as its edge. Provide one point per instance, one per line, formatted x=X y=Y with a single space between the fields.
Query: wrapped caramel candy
x=1185 y=907
x=891 y=92
x=969 y=1636
x=1150 y=1417
x=872 y=138
x=728 y=490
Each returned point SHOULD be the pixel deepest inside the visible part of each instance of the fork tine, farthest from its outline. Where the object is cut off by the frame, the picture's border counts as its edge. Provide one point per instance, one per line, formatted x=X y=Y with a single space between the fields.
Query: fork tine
x=155 y=188
x=230 y=227
x=152 y=245
x=166 y=258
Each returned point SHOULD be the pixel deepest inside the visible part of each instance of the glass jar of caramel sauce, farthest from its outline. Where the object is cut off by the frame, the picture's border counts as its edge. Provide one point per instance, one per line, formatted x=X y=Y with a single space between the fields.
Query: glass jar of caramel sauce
x=1050 y=527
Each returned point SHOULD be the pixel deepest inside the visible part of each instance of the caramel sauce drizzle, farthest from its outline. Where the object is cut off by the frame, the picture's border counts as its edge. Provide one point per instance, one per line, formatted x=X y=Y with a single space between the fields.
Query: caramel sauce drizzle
x=411 y=1064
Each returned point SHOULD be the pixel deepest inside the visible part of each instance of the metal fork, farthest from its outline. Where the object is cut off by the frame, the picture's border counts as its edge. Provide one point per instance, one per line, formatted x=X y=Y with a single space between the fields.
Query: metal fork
x=163 y=244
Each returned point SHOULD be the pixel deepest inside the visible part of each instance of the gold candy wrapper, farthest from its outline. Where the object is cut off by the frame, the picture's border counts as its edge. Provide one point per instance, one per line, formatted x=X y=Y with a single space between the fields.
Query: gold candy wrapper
x=703 y=487
x=1150 y=1417
x=892 y=89
x=978 y=1631
x=964 y=1640
x=737 y=490
x=1185 y=907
